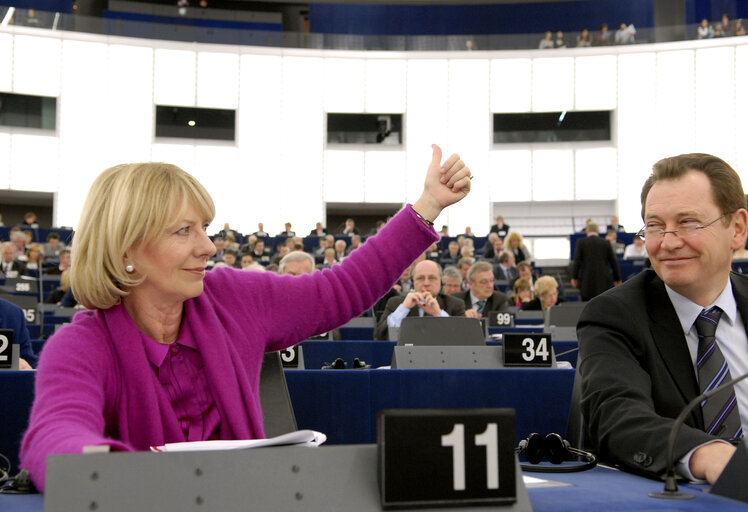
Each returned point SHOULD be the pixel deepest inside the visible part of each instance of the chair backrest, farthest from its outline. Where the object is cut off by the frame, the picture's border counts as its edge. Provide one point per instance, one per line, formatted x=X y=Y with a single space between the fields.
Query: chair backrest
x=428 y=330
x=277 y=411
x=565 y=314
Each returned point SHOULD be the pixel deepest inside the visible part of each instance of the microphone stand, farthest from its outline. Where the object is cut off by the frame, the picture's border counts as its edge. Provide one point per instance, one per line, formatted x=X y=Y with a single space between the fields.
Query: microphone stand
x=671 y=485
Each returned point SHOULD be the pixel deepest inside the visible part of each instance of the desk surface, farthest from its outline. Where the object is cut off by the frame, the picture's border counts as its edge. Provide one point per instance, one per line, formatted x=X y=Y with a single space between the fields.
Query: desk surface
x=598 y=489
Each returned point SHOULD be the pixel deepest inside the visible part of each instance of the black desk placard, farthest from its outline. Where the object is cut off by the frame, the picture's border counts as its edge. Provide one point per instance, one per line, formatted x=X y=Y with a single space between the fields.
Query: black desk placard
x=8 y=350
x=447 y=457
x=528 y=349
x=293 y=357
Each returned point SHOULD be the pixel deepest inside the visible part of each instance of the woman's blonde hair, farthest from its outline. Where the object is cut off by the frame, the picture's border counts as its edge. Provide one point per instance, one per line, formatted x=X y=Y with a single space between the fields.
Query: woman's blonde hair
x=513 y=236
x=520 y=285
x=545 y=284
x=127 y=204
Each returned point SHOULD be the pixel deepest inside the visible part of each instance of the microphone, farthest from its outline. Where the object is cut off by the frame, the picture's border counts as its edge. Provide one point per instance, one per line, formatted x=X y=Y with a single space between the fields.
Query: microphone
x=671 y=485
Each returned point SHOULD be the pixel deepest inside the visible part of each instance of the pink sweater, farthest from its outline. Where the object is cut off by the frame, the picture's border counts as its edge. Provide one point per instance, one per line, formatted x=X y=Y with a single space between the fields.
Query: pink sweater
x=95 y=385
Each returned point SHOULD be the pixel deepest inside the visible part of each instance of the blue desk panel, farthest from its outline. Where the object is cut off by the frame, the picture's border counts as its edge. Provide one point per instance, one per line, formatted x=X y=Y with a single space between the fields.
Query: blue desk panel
x=344 y=403
x=16 y=397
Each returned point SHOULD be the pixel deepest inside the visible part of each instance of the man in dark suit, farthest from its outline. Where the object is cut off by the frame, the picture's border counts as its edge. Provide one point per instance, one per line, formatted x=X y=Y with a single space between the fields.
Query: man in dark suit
x=640 y=342
x=426 y=299
x=9 y=265
x=506 y=270
x=481 y=298
x=593 y=260
x=500 y=228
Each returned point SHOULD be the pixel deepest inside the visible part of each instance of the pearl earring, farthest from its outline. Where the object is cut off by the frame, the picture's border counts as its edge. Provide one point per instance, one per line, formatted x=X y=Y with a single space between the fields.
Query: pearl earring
x=129 y=269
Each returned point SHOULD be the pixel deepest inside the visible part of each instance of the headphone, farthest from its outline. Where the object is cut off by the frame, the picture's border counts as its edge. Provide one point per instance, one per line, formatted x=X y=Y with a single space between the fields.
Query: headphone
x=555 y=450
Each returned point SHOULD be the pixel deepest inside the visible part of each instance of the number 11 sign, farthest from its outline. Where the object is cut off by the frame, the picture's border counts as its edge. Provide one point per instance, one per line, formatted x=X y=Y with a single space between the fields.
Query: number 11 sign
x=449 y=457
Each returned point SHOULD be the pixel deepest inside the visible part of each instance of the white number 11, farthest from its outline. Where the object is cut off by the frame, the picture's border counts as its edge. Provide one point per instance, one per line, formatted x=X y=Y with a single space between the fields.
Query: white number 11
x=488 y=438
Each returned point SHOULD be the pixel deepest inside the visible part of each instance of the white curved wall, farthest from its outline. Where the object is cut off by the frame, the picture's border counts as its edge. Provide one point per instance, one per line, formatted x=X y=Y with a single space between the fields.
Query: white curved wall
x=669 y=98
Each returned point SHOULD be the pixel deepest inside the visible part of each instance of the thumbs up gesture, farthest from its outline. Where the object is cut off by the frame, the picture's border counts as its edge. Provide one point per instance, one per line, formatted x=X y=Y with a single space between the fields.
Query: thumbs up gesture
x=446 y=183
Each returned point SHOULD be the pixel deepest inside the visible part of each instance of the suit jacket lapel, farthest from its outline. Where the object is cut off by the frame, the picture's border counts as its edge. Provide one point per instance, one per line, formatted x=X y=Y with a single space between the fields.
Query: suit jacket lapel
x=670 y=342
x=740 y=292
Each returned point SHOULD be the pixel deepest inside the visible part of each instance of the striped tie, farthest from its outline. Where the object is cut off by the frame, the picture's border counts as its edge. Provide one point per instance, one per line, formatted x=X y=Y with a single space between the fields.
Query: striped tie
x=721 y=415
x=481 y=306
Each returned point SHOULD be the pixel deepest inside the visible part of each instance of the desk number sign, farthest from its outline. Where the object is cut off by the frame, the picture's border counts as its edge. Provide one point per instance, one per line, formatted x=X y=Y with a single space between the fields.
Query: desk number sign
x=501 y=319
x=290 y=357
x=446 y=457
x=525 y=349
x=6 y=348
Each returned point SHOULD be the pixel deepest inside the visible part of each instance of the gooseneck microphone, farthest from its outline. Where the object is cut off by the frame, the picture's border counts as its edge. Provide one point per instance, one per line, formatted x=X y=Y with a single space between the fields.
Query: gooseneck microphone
x=671 y=485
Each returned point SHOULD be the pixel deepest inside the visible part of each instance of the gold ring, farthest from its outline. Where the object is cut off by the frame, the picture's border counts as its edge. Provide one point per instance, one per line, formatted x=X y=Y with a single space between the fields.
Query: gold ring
x=471 y=176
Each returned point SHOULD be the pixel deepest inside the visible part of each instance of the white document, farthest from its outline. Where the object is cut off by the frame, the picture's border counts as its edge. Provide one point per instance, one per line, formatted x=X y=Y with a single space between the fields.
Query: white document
x=299 y=437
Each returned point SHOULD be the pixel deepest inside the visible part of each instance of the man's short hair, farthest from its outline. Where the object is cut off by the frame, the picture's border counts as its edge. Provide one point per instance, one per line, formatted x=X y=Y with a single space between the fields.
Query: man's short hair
x=591 y=227
x=53 y=235
x=451 y=272
x=464 y=261
x=727 y=190
x=504 y=257
x=479 y=266
x=295 y=256
x=523 y=264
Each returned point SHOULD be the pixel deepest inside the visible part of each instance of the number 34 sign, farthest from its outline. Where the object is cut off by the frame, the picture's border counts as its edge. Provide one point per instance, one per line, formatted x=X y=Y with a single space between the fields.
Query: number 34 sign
x=446 y=457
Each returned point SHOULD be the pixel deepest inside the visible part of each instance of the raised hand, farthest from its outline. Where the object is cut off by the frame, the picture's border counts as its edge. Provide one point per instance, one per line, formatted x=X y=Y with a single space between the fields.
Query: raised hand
x=446 y=183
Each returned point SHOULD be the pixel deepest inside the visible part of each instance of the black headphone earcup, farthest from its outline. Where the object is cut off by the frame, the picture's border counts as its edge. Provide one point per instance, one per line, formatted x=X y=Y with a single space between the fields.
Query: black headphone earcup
x=555 y=449
x=534 y=448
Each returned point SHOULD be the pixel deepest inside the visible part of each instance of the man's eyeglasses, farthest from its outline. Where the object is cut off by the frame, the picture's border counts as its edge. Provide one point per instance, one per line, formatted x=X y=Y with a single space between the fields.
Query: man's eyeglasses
x=684 y=231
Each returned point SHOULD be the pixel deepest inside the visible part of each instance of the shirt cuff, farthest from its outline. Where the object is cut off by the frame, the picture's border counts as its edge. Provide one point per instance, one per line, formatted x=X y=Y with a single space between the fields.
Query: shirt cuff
x=396 y=317
x=683 y=468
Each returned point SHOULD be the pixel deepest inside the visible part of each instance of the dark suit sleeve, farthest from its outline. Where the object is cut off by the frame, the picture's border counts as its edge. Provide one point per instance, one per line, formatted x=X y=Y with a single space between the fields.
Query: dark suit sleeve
x=381 y=330
x=613 y=260
x=577 y=259
x=454 y=306
x=628 y=395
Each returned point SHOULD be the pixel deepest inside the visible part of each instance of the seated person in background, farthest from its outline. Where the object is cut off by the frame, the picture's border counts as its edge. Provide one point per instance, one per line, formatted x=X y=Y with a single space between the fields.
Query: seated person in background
x=379 y=225
x=487 y=253
x=220 y=244
x=280 y=251
x=559 y=41
x=340 y=247
x=653 y=344
x=636 y=250
x=500 y=228
x=444 y=231
x=463 y=265
x=229 y=258
x=522 y=292
x=452 y=255
x=451 y=281
x=329 y=259
x=56 y=295
x=226 y=231
x=231 y=243
x=705 y=30
x=432 y=253
x=466 y=253
x=526 y=272
x=260 y=253
x=468 y=232
x=260 y=230
x=319 y=252
x=246 y=261
x=405 y=283
x=159 y=320
x=514 y=243
x=53 y=246
x=618 y=247
x=480 y=299
x=506 y=270
x=547 y=42
x=287 y=231
x=319 y=230
x=546 y=295
x=30 y=221
x=615 y=225
x=604 y=37
x=12 y=317
x=355 y=244
x=425 y=299
x=34 y=259
x=349 y=229
x=10 y=267
x=18 y=239
x=584 y=39
x=625 y=34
